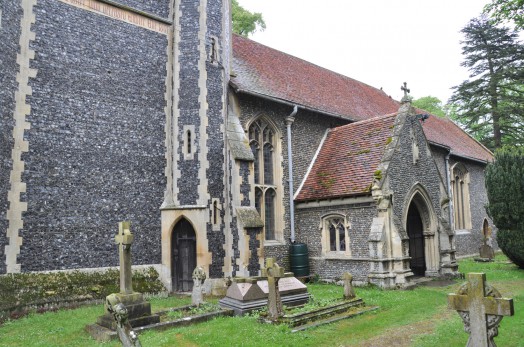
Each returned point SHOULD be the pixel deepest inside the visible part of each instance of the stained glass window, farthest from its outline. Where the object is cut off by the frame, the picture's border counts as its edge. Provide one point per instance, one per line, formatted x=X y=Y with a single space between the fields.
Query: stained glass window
x=337 y=234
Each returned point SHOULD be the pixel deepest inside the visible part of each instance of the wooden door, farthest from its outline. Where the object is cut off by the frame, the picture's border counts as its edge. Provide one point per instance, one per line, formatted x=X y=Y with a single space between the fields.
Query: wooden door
x=183 y=252
x=415 y=230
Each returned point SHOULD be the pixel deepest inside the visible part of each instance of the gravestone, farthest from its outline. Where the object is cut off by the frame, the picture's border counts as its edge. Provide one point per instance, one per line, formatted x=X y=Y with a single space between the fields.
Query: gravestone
x=273 y=272
x=486 y=252
x=349 y=292
x=481 y=309
x=139 y=310
x=246 y=294
x=199 y=276
x=119 y=312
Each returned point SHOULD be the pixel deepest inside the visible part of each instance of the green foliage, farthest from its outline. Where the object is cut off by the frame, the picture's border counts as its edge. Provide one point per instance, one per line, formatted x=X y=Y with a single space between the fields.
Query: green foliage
x=490 y=105
x=26 y=289
x=245 y=23
x=430 y=104
x=504 y=175
x=506 y=11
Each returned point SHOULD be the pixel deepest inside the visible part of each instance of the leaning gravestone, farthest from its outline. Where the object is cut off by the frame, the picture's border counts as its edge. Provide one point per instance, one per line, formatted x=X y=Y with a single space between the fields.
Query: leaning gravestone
x=199 y=276
x=125 y=333
x=481 y=308
x=274 y=273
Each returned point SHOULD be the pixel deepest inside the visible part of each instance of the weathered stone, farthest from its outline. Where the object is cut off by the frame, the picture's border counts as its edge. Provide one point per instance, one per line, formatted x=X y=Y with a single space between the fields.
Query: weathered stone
x=349 y=292
x=274 y=304
x=120 y=315
x=124 y=240
x=199 y=276
x=481 y=309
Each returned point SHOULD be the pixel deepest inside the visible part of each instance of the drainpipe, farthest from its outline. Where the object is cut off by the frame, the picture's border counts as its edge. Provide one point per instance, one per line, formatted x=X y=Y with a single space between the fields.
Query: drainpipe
x=289 y=120
x=448 y=183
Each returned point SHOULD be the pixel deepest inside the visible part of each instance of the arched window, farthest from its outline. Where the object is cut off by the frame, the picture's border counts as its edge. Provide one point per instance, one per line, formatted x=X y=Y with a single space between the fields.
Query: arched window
x=262 y=140
x=460 y=192
x=335 y=236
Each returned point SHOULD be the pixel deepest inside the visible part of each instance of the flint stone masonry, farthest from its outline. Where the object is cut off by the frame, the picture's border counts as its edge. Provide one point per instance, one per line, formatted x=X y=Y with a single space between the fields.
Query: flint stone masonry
x=157 y=7
x=96 y=151
x=403 y=174
x=10 y=38
x=468 y=241
x=308 y=129
x=360 y=218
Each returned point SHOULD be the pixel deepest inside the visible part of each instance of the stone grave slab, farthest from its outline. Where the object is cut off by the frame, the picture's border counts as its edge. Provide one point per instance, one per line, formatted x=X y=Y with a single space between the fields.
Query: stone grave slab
x=247 y=294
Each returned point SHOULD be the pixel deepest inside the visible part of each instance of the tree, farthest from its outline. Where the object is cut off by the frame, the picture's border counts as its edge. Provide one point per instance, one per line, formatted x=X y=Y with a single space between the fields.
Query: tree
x=490 y=105
x=245 y=22
x=506 y=10
x=431 y=104
x=506 y=174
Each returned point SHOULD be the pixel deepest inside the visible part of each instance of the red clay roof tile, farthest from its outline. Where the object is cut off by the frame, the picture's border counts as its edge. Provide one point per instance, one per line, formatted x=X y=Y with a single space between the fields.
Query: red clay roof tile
x=265 y=71
x=348 y=160
x=269 y=72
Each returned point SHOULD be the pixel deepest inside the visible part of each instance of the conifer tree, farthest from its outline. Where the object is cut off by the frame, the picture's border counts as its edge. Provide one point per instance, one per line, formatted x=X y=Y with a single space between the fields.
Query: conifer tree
x=505 y=188
x=490 y=105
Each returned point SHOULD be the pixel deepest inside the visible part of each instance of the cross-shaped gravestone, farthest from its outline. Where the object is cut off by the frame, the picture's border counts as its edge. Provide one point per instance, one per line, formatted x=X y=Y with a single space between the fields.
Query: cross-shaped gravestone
x=199 y=276
x=481 y=309
x=349 y=293
x=273 y=272
x=124 y=239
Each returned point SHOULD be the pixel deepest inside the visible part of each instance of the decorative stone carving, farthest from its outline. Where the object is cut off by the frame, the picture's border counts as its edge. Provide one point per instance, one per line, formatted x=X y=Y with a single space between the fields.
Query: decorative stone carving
x=120 y=314
x=274 y=273
x=199 y=276
x=481 y=308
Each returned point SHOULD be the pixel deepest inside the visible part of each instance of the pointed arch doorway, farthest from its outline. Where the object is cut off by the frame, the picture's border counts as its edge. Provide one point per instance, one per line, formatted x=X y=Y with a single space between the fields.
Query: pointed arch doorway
x=183 y=253
x=415 y=230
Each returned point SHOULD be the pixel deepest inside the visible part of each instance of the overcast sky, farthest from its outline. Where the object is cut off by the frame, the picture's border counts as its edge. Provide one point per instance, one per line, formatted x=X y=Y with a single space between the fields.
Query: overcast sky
x=379 y=42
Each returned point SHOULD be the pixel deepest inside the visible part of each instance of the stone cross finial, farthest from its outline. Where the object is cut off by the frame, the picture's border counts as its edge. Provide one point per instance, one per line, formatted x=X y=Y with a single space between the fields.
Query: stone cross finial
x=124 y=239
x=349 y=292
x=273 y=272
x=199 y=276
x=405 y=89
x=481 y=308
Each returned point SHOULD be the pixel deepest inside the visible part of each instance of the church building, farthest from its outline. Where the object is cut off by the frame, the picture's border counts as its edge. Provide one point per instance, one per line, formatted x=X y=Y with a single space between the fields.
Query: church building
x=220 y=151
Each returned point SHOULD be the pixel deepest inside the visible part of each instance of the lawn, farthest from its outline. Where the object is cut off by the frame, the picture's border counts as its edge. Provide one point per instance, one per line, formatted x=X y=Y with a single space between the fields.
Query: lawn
x=418 y=317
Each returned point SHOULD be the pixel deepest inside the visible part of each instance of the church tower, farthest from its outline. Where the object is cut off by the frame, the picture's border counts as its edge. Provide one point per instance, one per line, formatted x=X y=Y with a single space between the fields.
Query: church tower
x=193 y=218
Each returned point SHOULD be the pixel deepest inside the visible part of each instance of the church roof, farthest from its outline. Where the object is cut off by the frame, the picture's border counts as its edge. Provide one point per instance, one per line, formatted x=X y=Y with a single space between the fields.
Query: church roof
x=348 y=159
x=266 y=72
x=442 y=131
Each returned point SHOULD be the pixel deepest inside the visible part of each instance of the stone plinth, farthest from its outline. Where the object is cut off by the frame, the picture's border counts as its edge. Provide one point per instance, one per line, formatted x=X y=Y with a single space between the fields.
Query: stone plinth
x=139 y=312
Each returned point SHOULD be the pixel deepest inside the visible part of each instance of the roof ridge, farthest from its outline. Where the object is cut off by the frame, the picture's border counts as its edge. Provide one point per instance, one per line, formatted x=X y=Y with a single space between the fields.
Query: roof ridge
x=311 y=63
x=366 y=121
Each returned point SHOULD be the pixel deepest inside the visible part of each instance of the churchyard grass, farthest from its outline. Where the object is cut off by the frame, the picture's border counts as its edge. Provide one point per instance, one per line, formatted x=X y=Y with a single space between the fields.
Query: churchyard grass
x=418 y=317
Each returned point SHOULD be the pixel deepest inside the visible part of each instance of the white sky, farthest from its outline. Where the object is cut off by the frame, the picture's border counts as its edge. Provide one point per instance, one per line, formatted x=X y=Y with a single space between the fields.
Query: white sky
x=379 y=42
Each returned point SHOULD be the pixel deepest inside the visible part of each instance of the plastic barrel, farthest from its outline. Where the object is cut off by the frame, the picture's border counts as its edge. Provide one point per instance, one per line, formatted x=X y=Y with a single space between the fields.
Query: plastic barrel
x=299 y=259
